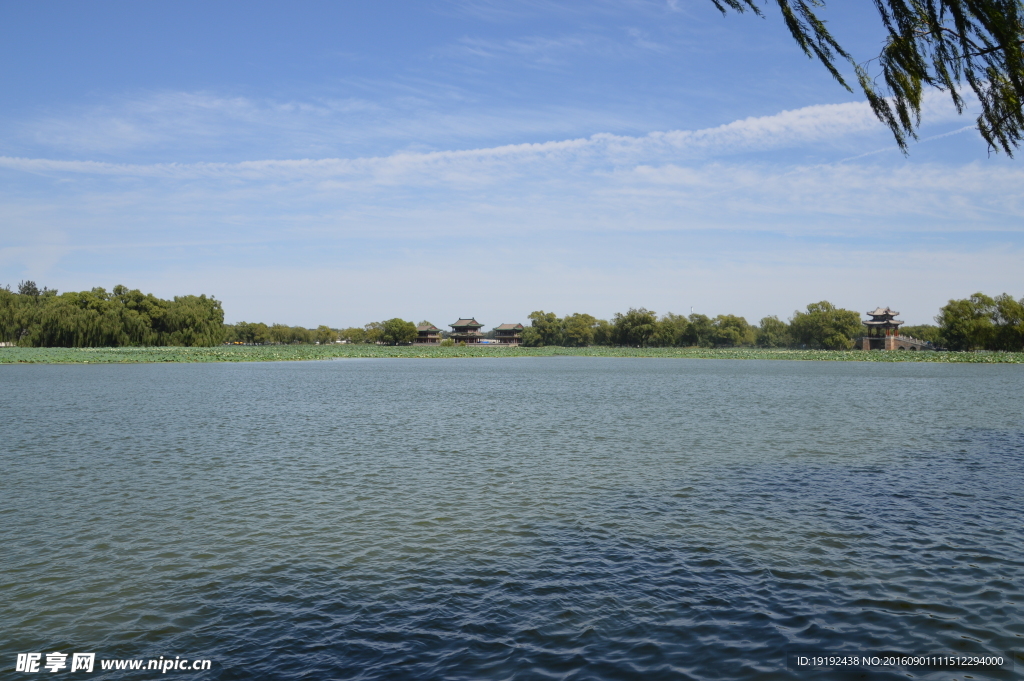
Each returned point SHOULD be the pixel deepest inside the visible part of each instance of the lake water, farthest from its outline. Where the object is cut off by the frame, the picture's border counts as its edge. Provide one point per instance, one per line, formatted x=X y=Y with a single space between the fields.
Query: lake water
x=548 y=518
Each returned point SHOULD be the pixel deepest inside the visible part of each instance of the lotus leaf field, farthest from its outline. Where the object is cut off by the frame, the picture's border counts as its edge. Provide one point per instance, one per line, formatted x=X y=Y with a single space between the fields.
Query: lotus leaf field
x=281 y=353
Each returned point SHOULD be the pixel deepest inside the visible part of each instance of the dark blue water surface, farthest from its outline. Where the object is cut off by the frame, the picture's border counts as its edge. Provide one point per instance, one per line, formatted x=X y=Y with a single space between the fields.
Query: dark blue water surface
x=548 y=518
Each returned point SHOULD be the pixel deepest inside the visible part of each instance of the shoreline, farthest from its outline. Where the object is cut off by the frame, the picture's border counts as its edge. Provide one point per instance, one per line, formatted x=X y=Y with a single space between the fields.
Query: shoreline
x=284 y=353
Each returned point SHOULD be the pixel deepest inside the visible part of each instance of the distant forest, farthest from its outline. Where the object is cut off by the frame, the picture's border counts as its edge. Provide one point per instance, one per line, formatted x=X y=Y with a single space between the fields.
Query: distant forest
x=36 y=317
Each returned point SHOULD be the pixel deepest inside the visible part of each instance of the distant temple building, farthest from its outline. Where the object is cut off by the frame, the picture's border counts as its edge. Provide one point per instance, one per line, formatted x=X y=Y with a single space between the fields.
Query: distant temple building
x=428 y=334
x=466 y=331
x=884 y=333
x=508 y=334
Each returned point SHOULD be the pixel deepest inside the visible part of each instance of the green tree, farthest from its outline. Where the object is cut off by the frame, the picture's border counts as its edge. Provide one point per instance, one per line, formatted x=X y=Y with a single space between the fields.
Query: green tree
x=17 y=316
x=604 y=332
x=772 y=332
x=85 y=319
x=260 y=334
x=28 y=288
x=397 y=332
x=952 y=45
x=194 y=321
x=249 y=333
x=372 y=332
x=636 y=328
x=325 y=335
x=672 y=330
x=353 y=334
x=729 y=331
x=925 y=332
x=1009 y=318
x=578 y=330
x=545 y=329
x=143 y=315
x=280 y=334
x=967 y=324
x=529 y=338
x=700 y=331
x=231 y=333
x=825 y=326
x=97 y=318
x=8 y=315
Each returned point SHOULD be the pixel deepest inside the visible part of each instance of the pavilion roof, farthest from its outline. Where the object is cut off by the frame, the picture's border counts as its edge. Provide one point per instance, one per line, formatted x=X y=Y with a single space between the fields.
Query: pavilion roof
x=466 y=322
x=508 y=327
x=879 y=312
x=427 y=327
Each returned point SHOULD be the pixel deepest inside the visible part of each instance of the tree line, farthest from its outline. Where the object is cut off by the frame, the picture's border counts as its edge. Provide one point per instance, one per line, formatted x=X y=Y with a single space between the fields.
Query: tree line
x=391 y=332
x=123 y=317
x=248 y=333
x=975 y=323
x=822 y=325
x=979 y=322
x=982 y=323
x=37 y=317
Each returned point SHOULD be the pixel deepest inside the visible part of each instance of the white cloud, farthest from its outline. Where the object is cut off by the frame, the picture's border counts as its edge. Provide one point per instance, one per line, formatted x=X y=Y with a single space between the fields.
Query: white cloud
x=189 y=128
x=787 y=129
x=682 y=180
x=394 y=115
x=941 y=196
x=174 y=119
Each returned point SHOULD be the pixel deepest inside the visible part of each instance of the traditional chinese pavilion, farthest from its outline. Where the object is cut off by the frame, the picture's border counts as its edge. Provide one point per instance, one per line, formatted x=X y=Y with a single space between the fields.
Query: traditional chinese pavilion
x=508 y=334
x=466 y=331
x=428 y=334
x=883 y=329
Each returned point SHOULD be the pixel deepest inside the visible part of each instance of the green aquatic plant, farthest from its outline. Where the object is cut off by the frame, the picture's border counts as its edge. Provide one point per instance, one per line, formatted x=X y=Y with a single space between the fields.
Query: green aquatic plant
x=284 y=353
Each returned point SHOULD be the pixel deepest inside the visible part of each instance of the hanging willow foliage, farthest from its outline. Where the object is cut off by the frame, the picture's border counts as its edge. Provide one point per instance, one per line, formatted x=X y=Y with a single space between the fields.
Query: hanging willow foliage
x=99 y=319
x=952 y=45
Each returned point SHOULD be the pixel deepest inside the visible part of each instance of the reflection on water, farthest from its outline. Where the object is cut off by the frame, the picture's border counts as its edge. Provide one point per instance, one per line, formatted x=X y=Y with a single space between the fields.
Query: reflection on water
x=543 y=517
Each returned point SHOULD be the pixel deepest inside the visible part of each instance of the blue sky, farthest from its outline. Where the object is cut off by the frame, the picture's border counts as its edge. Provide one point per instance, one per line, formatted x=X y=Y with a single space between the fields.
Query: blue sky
x=343 y=162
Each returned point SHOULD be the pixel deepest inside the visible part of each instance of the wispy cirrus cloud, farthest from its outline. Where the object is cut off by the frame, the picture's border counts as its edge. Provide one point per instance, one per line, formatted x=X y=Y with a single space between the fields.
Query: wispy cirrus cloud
x=787 y=129
x=556 y=51
x=541 y=50
x=173 y=120
x=190 y=126
x=830 y=198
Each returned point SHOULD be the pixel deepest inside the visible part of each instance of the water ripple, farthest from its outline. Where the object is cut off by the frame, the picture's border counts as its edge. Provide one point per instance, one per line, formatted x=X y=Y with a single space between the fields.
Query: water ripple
x=563 y=518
